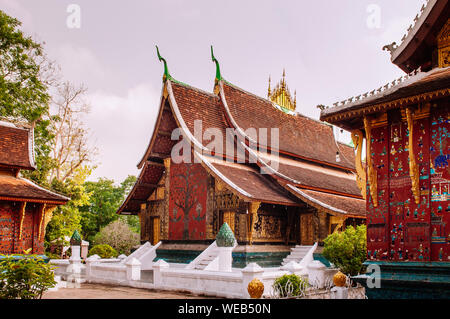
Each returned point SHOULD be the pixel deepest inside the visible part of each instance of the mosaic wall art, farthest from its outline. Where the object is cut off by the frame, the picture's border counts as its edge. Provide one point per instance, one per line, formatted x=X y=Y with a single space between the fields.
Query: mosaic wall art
x=187 y=203
x=399 y=228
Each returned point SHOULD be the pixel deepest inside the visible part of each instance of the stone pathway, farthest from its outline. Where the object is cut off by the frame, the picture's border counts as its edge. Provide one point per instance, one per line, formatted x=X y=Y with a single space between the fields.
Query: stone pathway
x=98 y=291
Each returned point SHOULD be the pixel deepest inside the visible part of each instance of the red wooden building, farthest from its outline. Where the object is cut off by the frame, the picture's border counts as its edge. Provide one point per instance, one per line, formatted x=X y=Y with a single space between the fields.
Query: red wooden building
x=308 y=192
x=406 y=125
x=25 y=208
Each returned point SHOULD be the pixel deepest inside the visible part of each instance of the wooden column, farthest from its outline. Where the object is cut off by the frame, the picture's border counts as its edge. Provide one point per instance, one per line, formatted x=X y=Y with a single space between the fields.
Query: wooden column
x=413 y=167
x=371 y=172
x=165 y=216
x=143 y=222
x=251 y=219
x=48 y=214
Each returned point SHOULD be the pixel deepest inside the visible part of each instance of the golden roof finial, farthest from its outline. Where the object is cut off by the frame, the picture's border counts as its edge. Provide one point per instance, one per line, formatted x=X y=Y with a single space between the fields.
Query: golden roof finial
x=281 y=94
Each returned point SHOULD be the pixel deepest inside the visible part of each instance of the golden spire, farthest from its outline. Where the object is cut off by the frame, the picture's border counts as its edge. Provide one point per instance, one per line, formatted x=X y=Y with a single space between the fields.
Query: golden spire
x=281 y=95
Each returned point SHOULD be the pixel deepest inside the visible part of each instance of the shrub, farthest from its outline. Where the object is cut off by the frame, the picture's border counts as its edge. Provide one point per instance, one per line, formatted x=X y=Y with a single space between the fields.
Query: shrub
x=119 y=236
x=347 y=249
x=25 y=278
x=104 y=251
x=290 y=285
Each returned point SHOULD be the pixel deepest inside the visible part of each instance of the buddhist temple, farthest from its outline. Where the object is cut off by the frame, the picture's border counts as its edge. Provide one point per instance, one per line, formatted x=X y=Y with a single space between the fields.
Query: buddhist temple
x=25 y=208
x=280 y=179
x=406 y=125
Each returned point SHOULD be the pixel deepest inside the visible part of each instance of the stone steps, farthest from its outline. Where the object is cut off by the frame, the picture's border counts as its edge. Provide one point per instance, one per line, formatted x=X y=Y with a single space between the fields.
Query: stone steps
x=206 y=260
x=297 y=254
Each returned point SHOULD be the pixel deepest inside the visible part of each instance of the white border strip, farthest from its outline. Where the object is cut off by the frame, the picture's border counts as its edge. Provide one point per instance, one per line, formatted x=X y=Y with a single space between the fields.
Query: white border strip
x=316 y=201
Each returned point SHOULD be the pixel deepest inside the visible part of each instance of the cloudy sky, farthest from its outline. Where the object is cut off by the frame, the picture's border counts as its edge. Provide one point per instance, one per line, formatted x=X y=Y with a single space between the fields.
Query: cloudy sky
x=331 y=50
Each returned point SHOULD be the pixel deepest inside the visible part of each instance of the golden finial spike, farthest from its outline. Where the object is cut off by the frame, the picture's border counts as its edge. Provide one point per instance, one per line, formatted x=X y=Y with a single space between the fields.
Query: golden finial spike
x=281 y=95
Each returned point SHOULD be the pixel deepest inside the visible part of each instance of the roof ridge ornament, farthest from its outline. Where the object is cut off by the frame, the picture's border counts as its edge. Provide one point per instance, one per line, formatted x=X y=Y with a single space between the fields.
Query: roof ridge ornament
x=213 y=58
x=166 y=69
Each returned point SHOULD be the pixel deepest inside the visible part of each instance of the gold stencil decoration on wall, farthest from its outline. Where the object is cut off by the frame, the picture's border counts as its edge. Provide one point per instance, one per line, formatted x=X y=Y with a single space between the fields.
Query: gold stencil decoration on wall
x=443 y=41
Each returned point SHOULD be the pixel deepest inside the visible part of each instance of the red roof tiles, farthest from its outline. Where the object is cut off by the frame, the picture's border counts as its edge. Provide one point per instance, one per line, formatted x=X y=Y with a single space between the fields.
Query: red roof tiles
x=17 y=189
x=300 y=137
x=16 y=149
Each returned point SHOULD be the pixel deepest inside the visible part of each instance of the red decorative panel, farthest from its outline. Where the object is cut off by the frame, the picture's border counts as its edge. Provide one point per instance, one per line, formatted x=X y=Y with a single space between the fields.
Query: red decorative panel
x=417 y=216
x=6 y=227
x=440 y=184
x=10 y=225
x=400 y=229
x=378 y=217
x=187 y=204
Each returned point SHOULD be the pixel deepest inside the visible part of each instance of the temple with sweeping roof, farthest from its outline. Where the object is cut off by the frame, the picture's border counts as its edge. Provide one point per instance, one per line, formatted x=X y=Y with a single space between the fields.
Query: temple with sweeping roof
x=25 y=208
x=278 y=178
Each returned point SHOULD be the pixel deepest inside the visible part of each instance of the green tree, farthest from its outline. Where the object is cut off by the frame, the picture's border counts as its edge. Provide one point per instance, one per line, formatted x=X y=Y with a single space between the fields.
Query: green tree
x=25 y=278
x=347 y=249
x=105 y=200
x=66 y=219
x=24 y=93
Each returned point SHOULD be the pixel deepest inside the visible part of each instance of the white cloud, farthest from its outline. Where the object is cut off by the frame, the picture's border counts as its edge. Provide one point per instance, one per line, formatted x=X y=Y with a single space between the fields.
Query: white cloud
x=78 y=64
x=122 y=128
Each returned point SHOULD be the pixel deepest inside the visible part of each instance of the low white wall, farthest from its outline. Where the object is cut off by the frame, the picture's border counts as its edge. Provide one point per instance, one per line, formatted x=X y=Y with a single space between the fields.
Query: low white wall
x=115 y=273
x=211 y=283
x=226 y=284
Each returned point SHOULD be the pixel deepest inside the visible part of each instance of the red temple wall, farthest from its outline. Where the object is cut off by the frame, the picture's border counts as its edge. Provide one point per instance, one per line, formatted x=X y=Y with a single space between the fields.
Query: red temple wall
x=9 y=229
x=187 y=203
x=398 y=228
x=7 y=226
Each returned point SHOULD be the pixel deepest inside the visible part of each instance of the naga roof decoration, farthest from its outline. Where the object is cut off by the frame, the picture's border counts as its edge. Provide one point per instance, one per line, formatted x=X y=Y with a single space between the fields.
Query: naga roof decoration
x=409 y=89
x=419 y=37
x=307 y=148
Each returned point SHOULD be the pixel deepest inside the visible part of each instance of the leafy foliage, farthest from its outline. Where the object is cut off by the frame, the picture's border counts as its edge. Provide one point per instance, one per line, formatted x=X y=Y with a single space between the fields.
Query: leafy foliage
x=103 y=250
x=104 y=202
x=347 y=249
x=25 y=278
x=22 y=93
x=66 y=219
x=119 y=236
x=297 y=285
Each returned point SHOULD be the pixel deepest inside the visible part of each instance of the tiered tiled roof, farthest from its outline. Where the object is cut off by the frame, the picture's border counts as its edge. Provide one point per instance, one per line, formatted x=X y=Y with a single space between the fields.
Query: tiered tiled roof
x=16 y=146
x=416 y=46
x=409 y=90
x=299 y=135
x=16 y=153
x=19 y=189
x=307 y=148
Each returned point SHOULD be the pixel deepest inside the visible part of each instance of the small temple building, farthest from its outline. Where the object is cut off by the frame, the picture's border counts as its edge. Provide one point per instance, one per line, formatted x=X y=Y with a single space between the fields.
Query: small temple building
x=406 y=127
x=276 y=177
x=25 y=208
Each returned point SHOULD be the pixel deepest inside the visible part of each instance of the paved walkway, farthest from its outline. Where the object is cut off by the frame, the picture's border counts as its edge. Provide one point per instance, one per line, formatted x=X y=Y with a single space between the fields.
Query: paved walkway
x=98 y=291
